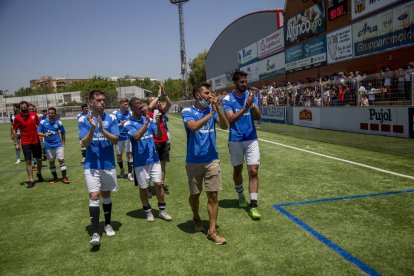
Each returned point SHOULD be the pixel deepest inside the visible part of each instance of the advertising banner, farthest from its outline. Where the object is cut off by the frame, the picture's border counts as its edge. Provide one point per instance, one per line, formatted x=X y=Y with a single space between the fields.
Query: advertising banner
x=306 y=24
x=248 y=55
x=273 y=66
x=384 y=120
x=252 y=71
x=388 y=30
x=273 y=114
x=307 y=116
x=271 y=44
x=219 y=82
x=306 y=55
x=363 y=7
x=339 y=44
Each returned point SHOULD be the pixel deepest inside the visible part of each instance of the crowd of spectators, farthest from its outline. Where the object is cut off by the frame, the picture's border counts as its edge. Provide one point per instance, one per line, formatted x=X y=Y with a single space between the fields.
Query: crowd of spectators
x=343 y=88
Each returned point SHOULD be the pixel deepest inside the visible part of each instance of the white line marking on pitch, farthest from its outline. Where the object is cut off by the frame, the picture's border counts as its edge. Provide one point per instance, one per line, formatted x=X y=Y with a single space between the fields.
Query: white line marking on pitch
x=332 y=157
x=340 y=159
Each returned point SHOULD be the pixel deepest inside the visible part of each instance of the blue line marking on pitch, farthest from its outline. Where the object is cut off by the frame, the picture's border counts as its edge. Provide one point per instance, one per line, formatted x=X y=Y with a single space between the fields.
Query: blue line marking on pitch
x=342 y=252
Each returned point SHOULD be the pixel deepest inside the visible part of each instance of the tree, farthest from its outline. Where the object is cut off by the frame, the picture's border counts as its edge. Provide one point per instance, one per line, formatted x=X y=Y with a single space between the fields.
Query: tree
x=173 y=87
x=198 y=70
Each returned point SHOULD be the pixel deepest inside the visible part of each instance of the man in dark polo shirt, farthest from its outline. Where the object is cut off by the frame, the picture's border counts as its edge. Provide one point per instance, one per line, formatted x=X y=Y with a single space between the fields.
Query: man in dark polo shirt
x=27 y=122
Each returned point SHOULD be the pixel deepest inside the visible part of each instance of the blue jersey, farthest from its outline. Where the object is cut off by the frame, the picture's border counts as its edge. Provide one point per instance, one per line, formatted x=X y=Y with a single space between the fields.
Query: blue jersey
x=81 y=114
x=80 y=121
x=54 y=129
x=143 y=150
x=42 y=117
x=243 y=129
x=122 y=117
x=100 y=153
x=201 y=144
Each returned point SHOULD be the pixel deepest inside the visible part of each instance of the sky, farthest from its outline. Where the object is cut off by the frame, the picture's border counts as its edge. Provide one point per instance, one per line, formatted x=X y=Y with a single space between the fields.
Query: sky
x=109 y=38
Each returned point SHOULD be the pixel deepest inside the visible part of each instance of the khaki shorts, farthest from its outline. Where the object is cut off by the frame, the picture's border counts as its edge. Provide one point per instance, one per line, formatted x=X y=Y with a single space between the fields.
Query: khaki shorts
x=211 y=173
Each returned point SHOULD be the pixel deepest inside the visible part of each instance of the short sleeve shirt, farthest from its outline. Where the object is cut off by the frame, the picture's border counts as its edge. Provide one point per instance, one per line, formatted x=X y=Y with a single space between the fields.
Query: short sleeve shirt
x=122 y=116
x=143 y=149
x=28 y=128
x=54 y=129
x=243 y=129
x=201 y=144
x=100 y=153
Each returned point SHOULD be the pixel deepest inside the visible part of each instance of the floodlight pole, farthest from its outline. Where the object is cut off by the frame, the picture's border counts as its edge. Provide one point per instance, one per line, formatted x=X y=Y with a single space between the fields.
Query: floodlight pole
x=180 y=3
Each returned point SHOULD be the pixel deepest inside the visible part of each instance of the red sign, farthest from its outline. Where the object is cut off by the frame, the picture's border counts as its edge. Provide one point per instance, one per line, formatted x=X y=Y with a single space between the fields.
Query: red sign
x=336 y=8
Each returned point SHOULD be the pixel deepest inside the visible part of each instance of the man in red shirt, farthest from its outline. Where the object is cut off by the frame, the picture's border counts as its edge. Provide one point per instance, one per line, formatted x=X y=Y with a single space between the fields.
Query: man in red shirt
x=27 y=122
x=162 y=144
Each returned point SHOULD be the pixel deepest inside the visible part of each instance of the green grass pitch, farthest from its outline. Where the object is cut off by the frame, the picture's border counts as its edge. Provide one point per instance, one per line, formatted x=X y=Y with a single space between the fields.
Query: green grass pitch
x=45 y=230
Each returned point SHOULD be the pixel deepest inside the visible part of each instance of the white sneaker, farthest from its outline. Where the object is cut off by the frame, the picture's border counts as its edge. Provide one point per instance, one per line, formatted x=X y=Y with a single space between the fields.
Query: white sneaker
x=130 y=177
x=165 y=216
x=83 y=160
x=109 y=231
x=122 y=173
x=18 y=161
x=150 y=216
x=95 y=239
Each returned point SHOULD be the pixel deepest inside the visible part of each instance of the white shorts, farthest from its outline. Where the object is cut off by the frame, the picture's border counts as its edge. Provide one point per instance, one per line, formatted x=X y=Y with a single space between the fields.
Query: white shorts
x=244 y=149
x=101 y=180
x=57 y=153
x=147 y=173
x=123 y=146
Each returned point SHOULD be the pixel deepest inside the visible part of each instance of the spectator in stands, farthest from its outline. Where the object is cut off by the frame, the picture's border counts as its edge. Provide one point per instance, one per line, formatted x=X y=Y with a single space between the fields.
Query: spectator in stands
x=387 y=82
x=408 y=78
x=327 y=96
x=401 y=81
x=318 y=100
x=364 y=99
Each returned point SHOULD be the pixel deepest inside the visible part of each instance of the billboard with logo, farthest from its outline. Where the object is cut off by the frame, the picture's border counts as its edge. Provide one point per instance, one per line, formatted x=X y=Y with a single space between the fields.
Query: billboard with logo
x=274 y=114
x=271 y=44
x=247 y=55
x=219 y=82
x=388 y=30
x=364 y=7
x=252 y=71
x=306 y=24
x=307 y=116
x=339 y=44
x=385 y=120
x=306 y=55
x=273 y=66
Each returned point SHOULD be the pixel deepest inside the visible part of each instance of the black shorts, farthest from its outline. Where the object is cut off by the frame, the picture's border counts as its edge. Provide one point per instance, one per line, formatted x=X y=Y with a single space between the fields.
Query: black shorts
x=32 y=149
x=163 y=151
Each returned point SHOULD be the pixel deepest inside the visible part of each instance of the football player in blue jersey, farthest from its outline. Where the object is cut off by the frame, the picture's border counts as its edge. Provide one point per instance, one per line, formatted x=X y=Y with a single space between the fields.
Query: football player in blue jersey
x=124 y=145
x=141 y=130
x=98 y=133
x=52 y=130
x=202 y=162
x=85 y=111
x=44 y=115
x=241 y=108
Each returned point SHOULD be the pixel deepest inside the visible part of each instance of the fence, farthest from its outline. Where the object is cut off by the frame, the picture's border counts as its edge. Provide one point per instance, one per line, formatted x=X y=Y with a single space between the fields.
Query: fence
x=385 y=88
